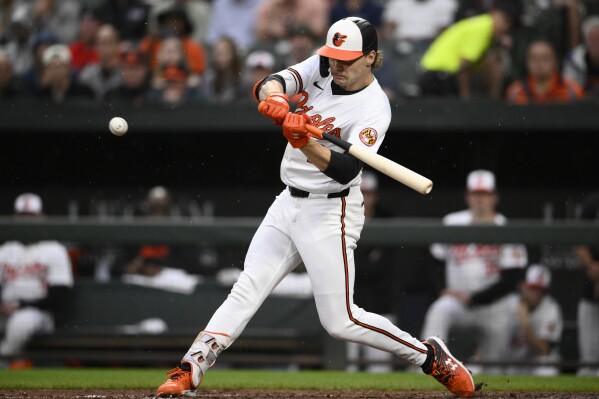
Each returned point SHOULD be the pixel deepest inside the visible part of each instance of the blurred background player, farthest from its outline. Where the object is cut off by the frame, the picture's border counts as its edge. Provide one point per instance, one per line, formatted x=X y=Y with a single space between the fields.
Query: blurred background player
x=538 y=325
x=478 y=277
x=35 y=280
x=588 y=305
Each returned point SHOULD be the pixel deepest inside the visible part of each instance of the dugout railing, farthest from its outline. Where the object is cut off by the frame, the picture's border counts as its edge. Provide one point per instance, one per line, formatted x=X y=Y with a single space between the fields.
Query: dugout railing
x=292 y=337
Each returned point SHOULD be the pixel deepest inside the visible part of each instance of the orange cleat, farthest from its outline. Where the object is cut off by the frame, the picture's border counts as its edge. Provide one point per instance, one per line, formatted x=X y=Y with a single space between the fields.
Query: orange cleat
x=178 y=383
x=449 y=371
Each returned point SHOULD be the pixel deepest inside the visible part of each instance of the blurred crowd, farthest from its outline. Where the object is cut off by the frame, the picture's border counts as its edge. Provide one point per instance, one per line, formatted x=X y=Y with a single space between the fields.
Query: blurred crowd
x=176 y=51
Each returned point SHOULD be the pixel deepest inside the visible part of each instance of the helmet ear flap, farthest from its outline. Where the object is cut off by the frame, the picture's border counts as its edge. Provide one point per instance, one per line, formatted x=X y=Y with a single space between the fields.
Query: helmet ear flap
x=324 y=66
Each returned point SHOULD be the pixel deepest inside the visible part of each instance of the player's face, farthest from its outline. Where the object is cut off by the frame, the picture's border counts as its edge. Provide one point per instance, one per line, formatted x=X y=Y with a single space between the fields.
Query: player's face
x=354 y=74
x=481 y=203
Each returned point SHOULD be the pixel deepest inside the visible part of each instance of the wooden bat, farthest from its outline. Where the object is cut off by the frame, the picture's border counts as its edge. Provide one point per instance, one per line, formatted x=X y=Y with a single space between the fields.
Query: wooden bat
x=385 y=165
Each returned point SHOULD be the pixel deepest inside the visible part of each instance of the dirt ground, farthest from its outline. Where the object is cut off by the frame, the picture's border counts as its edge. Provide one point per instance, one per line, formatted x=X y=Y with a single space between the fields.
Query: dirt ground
x=256 y=394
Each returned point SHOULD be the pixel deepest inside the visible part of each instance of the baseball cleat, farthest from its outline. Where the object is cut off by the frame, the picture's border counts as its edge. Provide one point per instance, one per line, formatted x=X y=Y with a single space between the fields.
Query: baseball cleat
x=178 y=383
x=449 y=371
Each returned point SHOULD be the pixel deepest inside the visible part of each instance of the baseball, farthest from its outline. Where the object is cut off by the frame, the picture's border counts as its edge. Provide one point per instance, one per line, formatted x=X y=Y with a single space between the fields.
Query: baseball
x=118 y=126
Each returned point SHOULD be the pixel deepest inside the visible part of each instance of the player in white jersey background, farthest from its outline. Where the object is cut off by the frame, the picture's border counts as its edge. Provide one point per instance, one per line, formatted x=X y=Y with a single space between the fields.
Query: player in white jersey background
x=317 y=219
x=538 y=323
x=35 y=280
x=478 y=277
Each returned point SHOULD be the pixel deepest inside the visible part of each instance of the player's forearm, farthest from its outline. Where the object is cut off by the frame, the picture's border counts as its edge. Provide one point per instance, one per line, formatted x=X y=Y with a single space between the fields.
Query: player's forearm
x=539 y=346
x=272 y=86
x=317 y=154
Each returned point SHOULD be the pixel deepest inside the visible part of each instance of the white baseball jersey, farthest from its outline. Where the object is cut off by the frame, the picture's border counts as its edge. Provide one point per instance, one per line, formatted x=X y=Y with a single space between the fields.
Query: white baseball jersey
x=361 y=118
x=473 y=267
x=26 y=271
x=546 y=322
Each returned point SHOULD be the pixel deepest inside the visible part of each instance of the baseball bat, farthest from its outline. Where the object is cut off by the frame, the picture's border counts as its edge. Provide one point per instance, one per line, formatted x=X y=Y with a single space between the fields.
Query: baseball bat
x=392 y=169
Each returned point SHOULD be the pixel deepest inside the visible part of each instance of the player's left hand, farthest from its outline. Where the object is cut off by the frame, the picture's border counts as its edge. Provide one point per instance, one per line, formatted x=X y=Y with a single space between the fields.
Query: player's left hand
x=294 y=129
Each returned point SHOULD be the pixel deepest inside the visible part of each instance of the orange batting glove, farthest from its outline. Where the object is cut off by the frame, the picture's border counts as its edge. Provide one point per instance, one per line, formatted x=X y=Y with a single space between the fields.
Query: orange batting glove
x=294 y=129
x=275 y=107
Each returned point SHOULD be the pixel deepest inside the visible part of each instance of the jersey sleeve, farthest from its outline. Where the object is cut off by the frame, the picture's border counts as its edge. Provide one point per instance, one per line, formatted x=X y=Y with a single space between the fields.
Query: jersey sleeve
x=59 y=271
x=297 y=76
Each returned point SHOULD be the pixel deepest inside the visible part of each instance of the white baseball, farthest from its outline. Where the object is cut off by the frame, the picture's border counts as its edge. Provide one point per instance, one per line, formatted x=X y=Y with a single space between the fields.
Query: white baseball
x=118 y=126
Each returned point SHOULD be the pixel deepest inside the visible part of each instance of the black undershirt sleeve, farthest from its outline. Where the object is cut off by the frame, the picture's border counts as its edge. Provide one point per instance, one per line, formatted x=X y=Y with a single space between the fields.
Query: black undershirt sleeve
x=343 y=167
x=56 y=300
x=508 y=282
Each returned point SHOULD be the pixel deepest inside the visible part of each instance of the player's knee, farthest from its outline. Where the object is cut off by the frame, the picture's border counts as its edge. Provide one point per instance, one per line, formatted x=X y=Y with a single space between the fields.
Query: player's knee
x=337 y=330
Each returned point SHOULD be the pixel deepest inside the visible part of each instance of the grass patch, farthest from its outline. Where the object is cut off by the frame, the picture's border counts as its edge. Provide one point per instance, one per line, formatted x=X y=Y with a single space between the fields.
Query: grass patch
x=128 y=378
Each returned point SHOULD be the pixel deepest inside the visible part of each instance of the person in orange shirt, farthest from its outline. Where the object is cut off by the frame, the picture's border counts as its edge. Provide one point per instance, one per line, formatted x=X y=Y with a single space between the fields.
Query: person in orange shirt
x=175 y=22
x=544 y=84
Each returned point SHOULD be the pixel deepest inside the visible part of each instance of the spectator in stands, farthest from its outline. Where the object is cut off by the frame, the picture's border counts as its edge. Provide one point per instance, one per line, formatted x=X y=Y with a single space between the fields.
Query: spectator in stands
x=174 y=23
x=375 y=285
x=303 y=44
x=367 y=9
x=464 y=48
x=172 y=54
x=235 y=19
x=83 y=49
x=9 y=83
x=174 y=89
x=479 y=277
x=32 y=79
x=6 y=10
x=588 y=305
x=544 y=84
x=130 y=17
x=538 y=325
x=411 y=26
x=223 y=81
x=58 y=82
x=18 y=43
x=198 y=12
x=276 y=18
x=135 y=80
x=582 y=65
x=258 y=65
x=104 y=75
x=61 y=17
x=35 y=281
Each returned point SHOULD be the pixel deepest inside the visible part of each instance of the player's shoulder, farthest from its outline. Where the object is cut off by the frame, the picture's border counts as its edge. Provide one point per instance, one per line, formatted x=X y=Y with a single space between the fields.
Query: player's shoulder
x=49 y=246
x=458 y=218
x=10 y=248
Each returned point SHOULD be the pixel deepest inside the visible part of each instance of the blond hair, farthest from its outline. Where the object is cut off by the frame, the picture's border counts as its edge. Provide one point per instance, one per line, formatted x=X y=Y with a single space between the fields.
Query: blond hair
x=378 y=60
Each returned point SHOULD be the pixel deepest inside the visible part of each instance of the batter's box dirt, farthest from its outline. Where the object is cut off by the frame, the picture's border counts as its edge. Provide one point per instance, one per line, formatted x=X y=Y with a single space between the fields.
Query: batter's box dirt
x=280 y=394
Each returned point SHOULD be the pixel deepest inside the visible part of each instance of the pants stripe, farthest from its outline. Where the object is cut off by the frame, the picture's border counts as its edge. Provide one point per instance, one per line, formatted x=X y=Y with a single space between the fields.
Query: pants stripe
x=347 y=299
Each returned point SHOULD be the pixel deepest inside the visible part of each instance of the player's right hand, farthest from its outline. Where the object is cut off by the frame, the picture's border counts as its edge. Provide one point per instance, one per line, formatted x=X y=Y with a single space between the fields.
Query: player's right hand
x=294 y=129
x=275 y=107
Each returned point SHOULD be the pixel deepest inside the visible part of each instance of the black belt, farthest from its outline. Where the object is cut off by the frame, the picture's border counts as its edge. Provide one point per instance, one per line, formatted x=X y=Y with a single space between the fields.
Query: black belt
x=296 y=192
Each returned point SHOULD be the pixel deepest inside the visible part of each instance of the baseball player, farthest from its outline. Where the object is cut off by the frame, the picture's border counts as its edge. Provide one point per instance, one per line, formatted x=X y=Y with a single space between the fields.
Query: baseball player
x=35 y=279
x=537 y=330
x=318 y=217
x=479 y=277
x=588 y=305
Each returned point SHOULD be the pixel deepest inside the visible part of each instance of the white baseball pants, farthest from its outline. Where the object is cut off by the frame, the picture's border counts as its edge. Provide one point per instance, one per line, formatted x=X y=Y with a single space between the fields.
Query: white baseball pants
x=322 y=232
x=588 y=336
x=20 y=328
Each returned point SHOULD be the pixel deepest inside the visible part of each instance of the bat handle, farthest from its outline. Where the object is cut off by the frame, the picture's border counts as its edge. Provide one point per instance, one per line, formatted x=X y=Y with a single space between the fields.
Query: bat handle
x=314 y=131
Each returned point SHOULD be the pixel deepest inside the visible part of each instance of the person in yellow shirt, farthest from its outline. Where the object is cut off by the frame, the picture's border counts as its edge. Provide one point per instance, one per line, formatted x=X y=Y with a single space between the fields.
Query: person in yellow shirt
x=466 y=47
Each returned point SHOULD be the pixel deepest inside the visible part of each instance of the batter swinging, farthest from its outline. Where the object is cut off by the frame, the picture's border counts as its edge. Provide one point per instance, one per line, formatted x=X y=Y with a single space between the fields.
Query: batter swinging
x=318 y=218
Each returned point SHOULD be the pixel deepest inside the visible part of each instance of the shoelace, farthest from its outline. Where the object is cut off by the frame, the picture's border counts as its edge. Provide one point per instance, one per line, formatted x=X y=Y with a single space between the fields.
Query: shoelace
x=175 y=374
